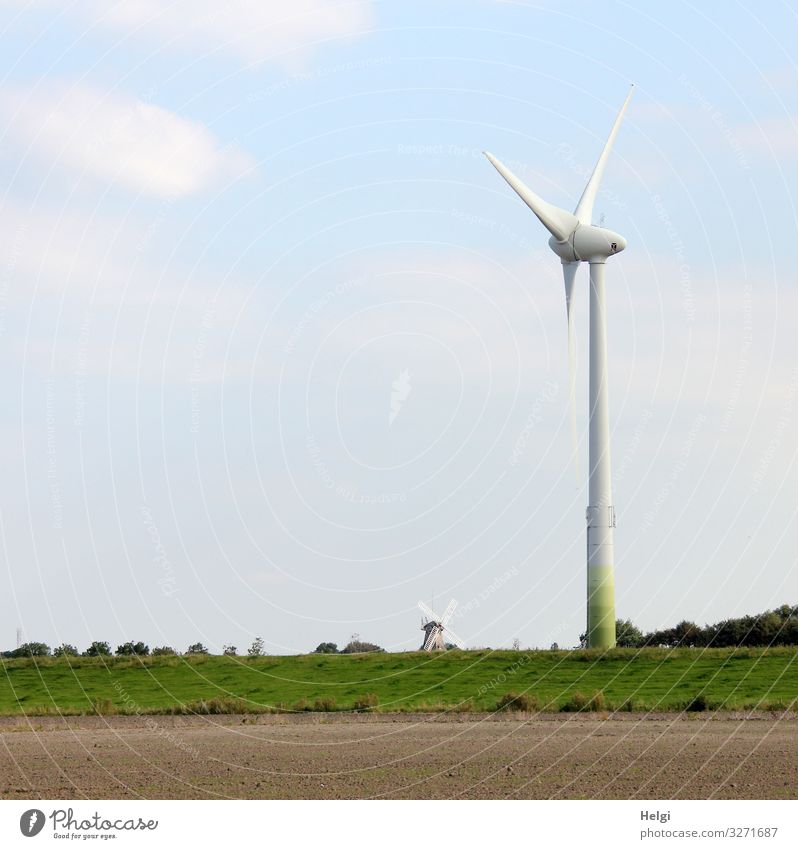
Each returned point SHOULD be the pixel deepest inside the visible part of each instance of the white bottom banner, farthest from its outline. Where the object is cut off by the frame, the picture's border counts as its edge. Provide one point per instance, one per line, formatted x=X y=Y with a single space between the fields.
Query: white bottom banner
x=596 y=824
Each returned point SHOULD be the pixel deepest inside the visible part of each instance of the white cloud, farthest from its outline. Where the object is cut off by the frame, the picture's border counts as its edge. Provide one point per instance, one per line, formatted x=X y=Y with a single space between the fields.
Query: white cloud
x=77 y=286
x=774 y=137
x=255 y=30
x=118 y=139
x=58 y=250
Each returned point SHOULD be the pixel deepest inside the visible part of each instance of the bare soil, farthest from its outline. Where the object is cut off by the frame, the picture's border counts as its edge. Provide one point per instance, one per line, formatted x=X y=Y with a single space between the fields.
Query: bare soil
x=343 y=756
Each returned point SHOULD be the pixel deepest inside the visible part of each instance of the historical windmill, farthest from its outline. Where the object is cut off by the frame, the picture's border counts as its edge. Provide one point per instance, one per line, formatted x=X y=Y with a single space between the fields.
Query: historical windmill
x=435 y=626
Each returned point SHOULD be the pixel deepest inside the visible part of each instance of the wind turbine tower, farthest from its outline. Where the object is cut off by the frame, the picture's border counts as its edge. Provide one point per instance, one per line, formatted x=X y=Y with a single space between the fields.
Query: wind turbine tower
x=575 y=239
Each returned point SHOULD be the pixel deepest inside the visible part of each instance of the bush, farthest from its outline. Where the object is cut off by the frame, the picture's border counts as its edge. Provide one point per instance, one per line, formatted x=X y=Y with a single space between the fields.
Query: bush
x=131 y=648
x=225 y=705
x=31 y=650
x=326 y=648
x=779 y=705
x=367 y=702
x=598 y=702
x=213 y=706
x=358 y=646
x=98 y=649
x=326 y=704
x=697 y=704
x=300 y=704
x=627 y=634
x=578 y=702
x=162 y=650
x=104 y=707
x=256 y=649
x=518 y=701
x=230 y=651
x=65 y=650
x=196 y=648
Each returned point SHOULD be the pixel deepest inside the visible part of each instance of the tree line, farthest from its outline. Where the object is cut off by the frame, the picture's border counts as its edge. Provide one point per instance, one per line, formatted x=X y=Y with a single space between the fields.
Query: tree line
x=777 y=627
x=354 y=646
x=100 y=648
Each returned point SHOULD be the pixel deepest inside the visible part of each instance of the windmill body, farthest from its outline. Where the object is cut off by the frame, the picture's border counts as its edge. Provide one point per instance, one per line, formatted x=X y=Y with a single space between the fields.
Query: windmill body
x=433 y=636
x=575 y=239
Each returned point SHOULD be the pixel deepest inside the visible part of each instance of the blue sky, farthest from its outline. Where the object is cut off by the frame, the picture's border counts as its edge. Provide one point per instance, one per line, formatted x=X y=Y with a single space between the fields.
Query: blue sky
x=284 y=355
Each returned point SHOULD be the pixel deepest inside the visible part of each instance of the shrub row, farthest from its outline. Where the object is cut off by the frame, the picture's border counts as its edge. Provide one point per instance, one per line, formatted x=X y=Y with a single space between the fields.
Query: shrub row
x=578 y=702
x=522 y=702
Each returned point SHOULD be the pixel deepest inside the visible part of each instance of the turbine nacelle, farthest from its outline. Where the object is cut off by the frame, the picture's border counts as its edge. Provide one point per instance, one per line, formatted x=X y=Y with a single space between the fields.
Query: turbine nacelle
x=588 y=243
x=573 y=237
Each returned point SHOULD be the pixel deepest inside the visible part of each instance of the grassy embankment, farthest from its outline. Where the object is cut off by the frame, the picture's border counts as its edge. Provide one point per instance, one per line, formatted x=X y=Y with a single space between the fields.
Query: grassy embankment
x=623 y=679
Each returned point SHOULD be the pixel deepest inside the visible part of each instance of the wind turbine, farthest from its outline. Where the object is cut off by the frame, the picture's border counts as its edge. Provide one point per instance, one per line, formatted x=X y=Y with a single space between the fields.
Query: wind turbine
x=575 y=239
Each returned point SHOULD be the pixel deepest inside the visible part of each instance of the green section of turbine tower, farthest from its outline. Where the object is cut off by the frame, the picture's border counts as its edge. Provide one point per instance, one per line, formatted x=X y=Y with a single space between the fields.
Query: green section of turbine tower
x=600 y=607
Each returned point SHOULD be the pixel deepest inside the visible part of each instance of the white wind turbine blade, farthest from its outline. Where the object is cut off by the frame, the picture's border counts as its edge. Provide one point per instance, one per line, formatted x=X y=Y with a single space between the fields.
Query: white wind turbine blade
x=428 y=612
x=584 y=209
x=448 y=612
x=569 y=270
x=559 y=222
x=453 y=638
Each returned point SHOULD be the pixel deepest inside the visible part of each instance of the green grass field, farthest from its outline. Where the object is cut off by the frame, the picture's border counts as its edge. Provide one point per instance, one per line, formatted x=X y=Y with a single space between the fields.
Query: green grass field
x=648 y=679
